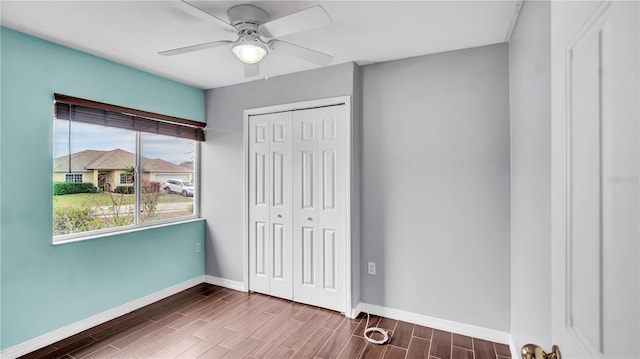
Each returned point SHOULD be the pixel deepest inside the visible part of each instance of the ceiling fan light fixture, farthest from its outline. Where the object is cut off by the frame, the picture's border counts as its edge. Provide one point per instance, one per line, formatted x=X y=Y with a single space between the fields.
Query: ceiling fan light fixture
x=249 y=52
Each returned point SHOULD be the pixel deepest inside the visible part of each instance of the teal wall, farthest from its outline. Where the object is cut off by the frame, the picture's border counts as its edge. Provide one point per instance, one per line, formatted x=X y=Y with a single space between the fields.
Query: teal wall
x=45 y=287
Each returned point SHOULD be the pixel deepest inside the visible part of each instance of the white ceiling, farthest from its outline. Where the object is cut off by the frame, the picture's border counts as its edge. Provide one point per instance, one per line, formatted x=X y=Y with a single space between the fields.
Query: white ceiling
x=132 y=32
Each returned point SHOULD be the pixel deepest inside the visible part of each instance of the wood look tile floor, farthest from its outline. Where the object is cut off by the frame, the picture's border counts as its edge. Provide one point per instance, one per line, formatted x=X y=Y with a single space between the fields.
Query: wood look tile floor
x=207 y=321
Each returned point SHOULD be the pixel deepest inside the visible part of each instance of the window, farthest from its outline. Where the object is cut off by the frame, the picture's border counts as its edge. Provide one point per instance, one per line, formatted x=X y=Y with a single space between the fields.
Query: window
x=73 y=177
x=126 y=178
x=119 y=152
x=161 y=154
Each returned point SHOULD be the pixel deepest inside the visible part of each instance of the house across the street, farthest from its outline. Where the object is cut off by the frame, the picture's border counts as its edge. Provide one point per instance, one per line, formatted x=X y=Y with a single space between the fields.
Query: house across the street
x=108 y=169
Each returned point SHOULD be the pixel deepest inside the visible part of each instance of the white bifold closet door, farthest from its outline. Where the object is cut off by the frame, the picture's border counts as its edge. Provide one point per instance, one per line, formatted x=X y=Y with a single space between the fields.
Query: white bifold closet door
x=297 y=211
x=270 y=209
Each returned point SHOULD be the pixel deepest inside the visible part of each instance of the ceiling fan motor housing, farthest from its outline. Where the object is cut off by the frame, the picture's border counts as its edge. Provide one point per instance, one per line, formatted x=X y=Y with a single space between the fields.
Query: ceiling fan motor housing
x=247 y=17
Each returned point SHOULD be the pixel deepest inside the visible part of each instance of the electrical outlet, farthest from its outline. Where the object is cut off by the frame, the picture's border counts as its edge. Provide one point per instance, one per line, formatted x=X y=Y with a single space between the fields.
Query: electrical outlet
x=371 y=267
x=198 y=247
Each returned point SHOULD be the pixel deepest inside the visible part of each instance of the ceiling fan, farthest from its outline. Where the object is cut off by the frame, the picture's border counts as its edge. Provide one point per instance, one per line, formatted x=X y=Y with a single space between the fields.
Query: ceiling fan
x=258 y=33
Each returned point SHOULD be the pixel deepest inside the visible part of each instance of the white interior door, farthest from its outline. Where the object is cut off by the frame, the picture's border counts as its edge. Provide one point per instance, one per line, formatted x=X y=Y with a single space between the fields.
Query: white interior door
x=298 y=204
x=595 y=168
x=320 y=143
x=270 y=210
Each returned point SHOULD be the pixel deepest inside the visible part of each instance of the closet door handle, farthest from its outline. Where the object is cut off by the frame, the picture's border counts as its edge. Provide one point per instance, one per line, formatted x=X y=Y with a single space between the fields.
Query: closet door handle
x=279 y=215
x=309 y=218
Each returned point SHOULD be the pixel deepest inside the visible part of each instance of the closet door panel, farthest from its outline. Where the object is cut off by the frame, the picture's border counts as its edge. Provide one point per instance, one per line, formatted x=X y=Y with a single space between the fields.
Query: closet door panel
x=281 y=251
x=305 y=211
x=329 y=260
x=332 y=213
x=320 y=150
x=270 y=200
x=308 y=257
x=259 y=221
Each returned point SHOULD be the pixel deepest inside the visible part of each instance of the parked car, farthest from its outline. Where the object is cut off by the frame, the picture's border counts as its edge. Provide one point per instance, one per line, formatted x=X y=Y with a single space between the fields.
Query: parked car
x=185 y=188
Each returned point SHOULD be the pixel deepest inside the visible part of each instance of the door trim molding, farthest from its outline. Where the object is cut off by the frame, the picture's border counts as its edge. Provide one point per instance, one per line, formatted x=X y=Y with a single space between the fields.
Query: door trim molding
x=332 y=101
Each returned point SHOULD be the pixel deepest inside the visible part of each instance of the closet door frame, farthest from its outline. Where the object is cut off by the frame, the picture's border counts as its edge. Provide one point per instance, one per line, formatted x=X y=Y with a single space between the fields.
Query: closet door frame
x=346 y=100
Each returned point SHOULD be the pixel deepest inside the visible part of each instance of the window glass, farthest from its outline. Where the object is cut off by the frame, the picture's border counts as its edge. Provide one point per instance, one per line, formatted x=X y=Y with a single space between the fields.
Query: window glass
x=95 y=178
x=167 y=171
x=73 y=177
x=126 y=178
x=98 y=202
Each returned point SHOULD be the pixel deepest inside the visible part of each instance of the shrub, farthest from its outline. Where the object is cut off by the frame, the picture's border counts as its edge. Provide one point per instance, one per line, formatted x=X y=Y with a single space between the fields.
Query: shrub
x=72 y=220
x=150 y=187
x=125 y=190
x=61 y=188
x=149 y=203
x=149 y=198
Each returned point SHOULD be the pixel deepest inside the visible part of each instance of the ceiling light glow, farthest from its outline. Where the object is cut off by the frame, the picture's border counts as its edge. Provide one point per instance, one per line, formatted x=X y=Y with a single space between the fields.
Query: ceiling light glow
x=249 y=52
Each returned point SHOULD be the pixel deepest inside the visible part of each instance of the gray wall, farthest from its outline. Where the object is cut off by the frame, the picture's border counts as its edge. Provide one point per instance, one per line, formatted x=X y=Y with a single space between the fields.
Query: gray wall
x=529 y=52
x=435 y=185
x=222 y=154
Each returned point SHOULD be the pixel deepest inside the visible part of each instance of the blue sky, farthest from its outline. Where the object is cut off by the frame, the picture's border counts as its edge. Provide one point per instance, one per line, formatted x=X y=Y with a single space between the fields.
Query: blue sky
x=94 y=137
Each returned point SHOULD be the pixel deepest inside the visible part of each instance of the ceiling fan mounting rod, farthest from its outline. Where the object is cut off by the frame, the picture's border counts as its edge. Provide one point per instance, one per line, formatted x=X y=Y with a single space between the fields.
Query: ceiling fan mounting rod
x=247 y=26
x=248 y=32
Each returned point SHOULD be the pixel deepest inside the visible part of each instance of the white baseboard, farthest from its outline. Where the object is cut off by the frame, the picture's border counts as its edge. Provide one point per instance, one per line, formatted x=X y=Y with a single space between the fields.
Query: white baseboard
x=77 y=327
x=227 y=283
x=90 y=322
x=437 y=323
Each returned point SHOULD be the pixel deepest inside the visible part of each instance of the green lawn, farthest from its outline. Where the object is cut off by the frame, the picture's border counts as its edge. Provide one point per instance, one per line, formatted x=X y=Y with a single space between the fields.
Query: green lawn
x=104 y=199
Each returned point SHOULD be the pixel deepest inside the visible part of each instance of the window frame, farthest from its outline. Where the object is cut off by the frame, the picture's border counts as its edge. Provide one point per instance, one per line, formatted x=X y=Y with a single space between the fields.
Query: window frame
x=138 y=224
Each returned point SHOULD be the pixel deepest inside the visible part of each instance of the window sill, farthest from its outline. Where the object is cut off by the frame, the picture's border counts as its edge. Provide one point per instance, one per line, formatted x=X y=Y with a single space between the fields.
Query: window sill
x=121 y=232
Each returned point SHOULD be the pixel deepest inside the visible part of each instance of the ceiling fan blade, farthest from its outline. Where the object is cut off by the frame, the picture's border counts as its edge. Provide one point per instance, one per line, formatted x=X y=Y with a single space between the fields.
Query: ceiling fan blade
x=251 y=70
x=195 y=11
x=192 y=48
x=303 y=20
x=289 y=49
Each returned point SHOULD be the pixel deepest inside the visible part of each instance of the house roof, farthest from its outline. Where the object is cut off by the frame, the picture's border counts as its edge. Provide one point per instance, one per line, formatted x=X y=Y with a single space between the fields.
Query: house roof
x=160 y=165
x=111 y=160
x=188 y=164
x=118 y=159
